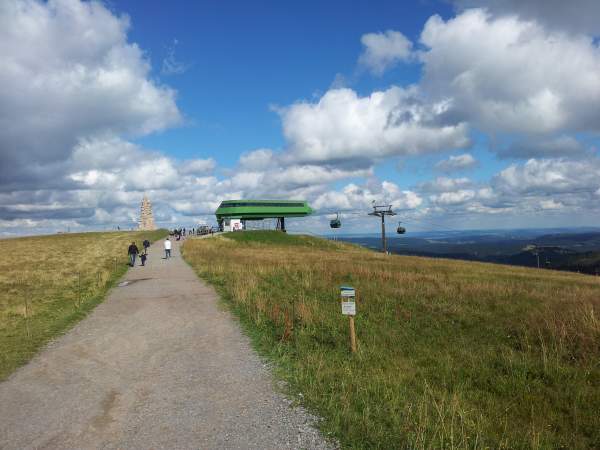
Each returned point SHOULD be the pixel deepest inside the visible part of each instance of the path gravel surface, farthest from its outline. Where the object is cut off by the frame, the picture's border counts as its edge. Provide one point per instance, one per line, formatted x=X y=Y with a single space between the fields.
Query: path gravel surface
x=157 y=365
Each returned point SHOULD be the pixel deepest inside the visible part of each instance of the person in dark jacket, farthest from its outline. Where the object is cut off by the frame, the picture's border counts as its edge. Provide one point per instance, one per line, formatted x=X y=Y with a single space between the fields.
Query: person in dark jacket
x=132 y=251
x=146 y=244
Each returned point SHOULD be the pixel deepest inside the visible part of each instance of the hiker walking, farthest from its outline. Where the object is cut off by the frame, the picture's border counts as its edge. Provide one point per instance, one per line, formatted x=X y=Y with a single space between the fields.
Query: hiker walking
x=146 y=244
x=167 y=248
x=132 y=251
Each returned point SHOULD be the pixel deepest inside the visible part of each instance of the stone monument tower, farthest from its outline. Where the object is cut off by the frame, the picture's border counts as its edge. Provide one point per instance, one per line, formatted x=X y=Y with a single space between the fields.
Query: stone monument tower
x=146 y=218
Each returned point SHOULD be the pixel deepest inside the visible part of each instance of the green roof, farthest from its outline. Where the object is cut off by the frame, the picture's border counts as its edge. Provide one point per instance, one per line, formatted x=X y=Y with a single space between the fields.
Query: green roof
x=262 y=209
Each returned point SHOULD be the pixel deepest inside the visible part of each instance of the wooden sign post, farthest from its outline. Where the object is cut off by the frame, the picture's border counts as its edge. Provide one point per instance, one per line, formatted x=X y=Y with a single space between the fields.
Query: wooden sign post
x=349 y=309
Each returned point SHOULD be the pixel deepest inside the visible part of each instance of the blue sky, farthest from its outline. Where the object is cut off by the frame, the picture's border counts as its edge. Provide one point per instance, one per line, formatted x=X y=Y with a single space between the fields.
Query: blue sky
x=289 y=52
x=279 y=53
x=463 y=113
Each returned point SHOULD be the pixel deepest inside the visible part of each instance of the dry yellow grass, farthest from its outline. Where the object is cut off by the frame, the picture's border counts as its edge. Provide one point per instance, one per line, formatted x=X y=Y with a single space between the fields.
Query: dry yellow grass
x=49 y=282
x=451 y=354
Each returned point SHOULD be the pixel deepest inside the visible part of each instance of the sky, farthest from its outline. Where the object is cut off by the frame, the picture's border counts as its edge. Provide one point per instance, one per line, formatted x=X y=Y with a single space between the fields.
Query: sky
x=463 y=114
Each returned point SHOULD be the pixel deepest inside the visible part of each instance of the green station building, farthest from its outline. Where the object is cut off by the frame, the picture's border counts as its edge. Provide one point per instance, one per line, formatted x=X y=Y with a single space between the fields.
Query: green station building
x=233 y=214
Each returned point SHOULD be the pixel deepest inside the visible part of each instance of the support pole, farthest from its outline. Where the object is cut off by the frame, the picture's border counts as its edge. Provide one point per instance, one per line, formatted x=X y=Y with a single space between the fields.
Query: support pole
x=382 y=211
x=352 y=334
x=383 y=242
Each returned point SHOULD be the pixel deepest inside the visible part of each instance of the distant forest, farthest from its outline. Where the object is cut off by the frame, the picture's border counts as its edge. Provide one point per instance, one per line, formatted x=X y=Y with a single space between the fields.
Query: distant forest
x=570 y=251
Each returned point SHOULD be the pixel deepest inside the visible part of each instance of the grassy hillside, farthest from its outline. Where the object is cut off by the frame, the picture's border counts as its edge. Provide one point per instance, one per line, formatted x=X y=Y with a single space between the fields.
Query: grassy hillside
x=452 y=354
x=47 y=283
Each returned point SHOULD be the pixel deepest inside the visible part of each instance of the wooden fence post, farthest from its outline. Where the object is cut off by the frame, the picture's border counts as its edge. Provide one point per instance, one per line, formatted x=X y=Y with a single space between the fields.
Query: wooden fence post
x=78 y=289
x=26 y=300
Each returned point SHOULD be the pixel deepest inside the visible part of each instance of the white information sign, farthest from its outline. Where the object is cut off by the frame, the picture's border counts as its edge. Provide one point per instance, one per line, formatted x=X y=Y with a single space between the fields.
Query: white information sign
x=348 y=294
x=349 y=308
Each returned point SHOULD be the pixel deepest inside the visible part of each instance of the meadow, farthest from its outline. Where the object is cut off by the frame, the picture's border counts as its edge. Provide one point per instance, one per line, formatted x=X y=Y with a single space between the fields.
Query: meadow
x=48 y=283
x=451 y=354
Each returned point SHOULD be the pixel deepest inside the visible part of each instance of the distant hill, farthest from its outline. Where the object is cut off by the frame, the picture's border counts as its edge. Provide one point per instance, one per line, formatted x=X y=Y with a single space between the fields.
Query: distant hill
x=572 y=251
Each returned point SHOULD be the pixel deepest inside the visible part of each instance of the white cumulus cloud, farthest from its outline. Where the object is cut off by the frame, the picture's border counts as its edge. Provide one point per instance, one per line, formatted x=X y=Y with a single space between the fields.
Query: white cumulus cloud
x=550 y=176
x=441 y=184
x=355 y=197
x=550 y=204
x=513 y=75
x=198 y=166
x=68 y=73
x=384 y=50
x=577 y=16
x=456 y=163
x=453 y=198
x=342 y=126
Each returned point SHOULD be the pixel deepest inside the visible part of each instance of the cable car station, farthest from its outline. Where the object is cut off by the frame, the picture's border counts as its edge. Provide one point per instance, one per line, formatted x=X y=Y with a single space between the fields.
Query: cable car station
x=233 y=214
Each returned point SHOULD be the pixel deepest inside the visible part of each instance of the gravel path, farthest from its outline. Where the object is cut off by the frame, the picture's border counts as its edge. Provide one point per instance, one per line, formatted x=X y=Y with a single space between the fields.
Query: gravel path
x=157 y=365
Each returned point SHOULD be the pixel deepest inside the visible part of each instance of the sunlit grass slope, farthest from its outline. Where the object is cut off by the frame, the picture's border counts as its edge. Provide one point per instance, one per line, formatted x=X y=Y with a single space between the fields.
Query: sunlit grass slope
x=48 y=283
x=451 y=354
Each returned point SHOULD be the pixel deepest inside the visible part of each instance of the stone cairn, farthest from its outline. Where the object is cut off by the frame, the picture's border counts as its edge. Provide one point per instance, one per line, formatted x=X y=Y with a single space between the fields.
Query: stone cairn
x=146 y=218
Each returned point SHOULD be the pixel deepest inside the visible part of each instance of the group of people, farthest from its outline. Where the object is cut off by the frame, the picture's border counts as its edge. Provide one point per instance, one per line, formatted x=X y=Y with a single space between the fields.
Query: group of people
x=180 y=233
x=133 y=251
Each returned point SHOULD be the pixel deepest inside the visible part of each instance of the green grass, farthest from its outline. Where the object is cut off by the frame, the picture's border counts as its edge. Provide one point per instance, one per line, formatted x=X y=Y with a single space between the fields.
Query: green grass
x=452 y=354
x=48 y=283
x=260 y=237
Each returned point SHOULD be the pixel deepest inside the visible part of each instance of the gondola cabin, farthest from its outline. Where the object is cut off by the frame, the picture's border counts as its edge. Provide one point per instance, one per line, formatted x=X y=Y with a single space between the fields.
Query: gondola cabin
x=336 y=223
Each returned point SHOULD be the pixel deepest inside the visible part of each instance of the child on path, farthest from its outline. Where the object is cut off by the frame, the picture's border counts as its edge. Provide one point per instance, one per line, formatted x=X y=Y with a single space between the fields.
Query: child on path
x=146 y=244
x=143 y=257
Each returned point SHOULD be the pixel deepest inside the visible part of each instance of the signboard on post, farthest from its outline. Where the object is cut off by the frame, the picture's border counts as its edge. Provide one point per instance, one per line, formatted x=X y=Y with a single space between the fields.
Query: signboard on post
x=348 y=295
